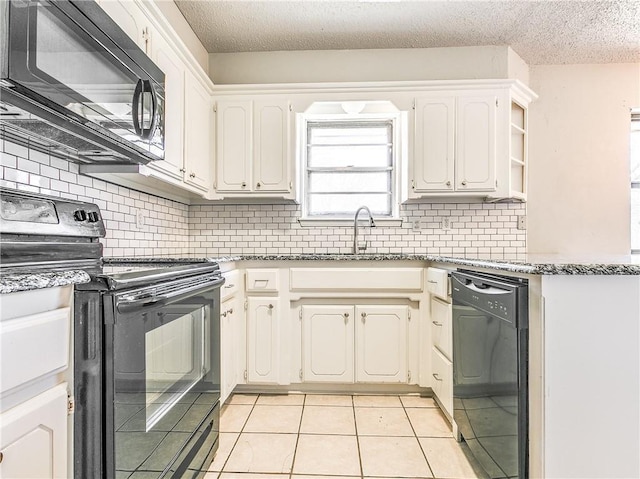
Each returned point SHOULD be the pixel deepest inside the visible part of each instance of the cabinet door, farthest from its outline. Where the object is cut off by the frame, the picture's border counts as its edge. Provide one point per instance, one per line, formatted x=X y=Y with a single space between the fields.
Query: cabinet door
x=381 y=344
x=33 y=437
x=476 y=143
x=228 y=351
x=198 y=115
x=263 y=355
x=174 y=70
x=327 y=343
x=271 y=150
x=441 y=325
x=234 y=139
x=433 y=160
x=131 y=19
x=442 y=384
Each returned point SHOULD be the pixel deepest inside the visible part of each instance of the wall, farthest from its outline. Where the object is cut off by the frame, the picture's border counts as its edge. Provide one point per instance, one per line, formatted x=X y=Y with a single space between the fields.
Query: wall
x=361 y=65
x=579 y=158
x=480 y=230
x=165 y=232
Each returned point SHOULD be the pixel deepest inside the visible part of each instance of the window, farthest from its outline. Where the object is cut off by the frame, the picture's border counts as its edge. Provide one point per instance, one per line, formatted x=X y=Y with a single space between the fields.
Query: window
x=349 y=163
x=634 y=151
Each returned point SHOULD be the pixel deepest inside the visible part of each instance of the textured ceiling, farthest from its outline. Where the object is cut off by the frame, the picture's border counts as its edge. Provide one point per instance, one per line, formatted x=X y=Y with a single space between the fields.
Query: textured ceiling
x=541 y=32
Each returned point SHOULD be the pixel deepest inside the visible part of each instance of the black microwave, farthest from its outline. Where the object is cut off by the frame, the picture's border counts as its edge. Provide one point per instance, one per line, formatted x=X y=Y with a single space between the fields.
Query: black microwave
x=72 y=80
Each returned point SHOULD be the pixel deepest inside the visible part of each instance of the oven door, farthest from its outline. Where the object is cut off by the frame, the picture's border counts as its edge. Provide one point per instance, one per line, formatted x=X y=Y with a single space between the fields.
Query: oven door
x=162 y=371
x=72 y=58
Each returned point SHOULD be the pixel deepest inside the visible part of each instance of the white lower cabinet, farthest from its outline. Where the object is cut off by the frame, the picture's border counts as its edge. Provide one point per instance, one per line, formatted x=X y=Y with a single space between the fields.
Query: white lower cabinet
x=381 y=344
x=230 y=332
x=263 y=340
x=327 y=343
x=442 y=384
x=346 y=344
x=33 y=437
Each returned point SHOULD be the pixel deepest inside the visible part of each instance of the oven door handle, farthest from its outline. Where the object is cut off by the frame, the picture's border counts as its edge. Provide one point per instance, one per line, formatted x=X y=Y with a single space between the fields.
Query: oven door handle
x=133 y=305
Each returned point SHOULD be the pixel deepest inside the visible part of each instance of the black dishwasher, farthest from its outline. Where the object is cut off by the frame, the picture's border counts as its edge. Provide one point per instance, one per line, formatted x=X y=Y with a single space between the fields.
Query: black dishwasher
x=490 y=362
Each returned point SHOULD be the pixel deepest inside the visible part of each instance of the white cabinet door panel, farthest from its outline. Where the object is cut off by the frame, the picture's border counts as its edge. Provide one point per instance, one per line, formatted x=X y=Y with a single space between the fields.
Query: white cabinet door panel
x=263 y=333
x=234 y=139
x=476 y=143
x=381 y=344
x=198 y=113
x=434 y=146
x=271 y=163
x=441 y=326
x=33 y=437
x=327 y=347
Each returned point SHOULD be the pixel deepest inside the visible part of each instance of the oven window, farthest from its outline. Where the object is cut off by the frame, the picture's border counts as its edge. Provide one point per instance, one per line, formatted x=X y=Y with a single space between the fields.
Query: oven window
x=176 y=360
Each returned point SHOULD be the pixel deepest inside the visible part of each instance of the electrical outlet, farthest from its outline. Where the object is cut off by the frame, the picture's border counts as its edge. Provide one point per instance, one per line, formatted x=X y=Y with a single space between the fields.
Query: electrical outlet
x=140 y=220
x=522 y=222
x=419 y=225
x=445 y=224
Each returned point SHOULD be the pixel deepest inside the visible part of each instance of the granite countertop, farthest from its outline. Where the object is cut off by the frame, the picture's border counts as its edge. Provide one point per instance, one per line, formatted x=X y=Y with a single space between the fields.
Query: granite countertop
x=525 y=264
x=13 y=283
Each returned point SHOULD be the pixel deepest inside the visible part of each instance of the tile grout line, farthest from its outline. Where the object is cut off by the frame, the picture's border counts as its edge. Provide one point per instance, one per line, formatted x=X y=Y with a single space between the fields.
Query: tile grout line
x=355 y=425
x=295 y=449
x=417 y=439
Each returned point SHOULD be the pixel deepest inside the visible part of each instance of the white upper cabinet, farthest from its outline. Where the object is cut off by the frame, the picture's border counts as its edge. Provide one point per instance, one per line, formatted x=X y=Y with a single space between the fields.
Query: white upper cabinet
x=253 y=152
x=470 y=142
x=198 y=116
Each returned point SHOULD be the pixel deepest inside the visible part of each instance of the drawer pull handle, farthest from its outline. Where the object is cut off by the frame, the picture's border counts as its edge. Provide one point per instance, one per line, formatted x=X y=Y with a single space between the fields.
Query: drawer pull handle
x=432 y=281
x=436 y=323
x=435 y=375
x=229 y=286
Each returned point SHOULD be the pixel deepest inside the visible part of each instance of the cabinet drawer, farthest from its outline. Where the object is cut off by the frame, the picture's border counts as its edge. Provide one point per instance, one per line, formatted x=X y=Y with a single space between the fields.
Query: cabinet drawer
x=441 y=325
x=356 y=279
x=231 y=285
x=262 y=280
x=442 y=383
x=438 y=282
x=33 y=346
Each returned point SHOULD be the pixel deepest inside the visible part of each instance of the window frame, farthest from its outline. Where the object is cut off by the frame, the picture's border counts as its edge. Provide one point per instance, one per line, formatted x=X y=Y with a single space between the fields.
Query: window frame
x=634 y=127
x=394 y=118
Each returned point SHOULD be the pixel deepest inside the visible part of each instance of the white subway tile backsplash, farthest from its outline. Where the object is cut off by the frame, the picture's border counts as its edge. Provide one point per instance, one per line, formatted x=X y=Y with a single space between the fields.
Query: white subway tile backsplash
x=175 y=229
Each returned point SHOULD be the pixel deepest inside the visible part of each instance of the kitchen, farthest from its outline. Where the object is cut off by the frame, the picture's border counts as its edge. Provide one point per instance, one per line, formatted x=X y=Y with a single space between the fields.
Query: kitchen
x=154 y=225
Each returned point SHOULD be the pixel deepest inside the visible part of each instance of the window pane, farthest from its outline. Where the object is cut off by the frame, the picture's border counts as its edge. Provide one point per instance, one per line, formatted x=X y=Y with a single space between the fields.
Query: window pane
x=343 y=156
x=348 y=133
x=346 y=205
x=635 y=219
x=634 y=151
x=349 y=182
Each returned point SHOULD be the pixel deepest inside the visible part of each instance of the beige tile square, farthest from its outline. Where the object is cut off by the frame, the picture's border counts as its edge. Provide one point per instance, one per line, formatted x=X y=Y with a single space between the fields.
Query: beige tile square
x=274 y=419
x=330 y=455
x=264 y=453
x=328 y=400
x=233 y=417
x=376 y=401
x=281 y=399
x=227 y=441
x=328 y=420
x=381 y=421
x=243 y=399
x=417 y=401
x=211 y=475
x=446 y=458
x=429 y=422
x=393 y=457
x=301 y=476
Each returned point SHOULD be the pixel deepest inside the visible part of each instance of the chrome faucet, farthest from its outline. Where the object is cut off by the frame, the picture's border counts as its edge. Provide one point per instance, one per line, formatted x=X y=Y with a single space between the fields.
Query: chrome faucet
x=356 y=247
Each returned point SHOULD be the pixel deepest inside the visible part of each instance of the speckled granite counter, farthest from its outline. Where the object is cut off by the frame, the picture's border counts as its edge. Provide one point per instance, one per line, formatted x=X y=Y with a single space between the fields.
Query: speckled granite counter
x=13 y=283
x=525 y=264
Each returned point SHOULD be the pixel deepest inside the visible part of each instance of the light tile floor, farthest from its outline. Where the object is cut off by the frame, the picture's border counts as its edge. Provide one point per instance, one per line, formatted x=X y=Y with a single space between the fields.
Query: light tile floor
x=312 y=436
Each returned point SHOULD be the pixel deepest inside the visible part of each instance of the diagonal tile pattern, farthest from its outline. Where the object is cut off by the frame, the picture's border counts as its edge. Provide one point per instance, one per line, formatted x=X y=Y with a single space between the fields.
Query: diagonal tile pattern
x=318 y=436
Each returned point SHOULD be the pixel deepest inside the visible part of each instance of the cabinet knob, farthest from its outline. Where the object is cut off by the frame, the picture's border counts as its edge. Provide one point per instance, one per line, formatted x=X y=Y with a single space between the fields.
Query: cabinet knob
x=270 y=306
x=436 y=323
x=183 y=170
x=346 y=315
x=1 y=457
x=243 y=185
x=224 y=315
x=449 y=184
x=363 y=315
x=437 y=378
x=464 y=182
x=258 y=184
x=231 y=311
x=192 y=175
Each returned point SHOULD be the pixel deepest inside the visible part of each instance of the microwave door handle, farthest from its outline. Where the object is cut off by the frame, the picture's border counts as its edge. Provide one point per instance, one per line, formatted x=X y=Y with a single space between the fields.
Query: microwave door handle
x=147 y=133
x=135 y=109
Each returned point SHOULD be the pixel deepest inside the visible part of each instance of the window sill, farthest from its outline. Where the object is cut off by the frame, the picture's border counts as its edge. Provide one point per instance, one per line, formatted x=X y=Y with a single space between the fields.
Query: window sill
x=336 y=222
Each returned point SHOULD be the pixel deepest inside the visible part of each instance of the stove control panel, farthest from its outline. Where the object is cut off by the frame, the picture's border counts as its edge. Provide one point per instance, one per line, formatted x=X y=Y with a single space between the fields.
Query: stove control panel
x=28 y=213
